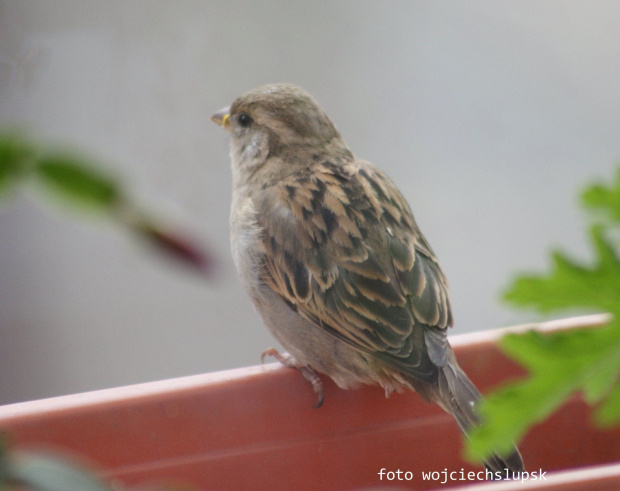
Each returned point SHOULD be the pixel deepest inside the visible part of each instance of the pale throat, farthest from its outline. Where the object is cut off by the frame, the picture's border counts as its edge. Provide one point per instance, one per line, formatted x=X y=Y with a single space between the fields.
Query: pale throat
x=250 y=151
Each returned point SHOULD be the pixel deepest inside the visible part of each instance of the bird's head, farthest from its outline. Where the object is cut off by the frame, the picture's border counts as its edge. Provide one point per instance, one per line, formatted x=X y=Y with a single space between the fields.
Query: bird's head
x=276 y=120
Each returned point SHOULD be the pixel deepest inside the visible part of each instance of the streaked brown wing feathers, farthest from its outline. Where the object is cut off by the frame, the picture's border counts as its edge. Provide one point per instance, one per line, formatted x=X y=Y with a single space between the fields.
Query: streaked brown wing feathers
x=322 y=235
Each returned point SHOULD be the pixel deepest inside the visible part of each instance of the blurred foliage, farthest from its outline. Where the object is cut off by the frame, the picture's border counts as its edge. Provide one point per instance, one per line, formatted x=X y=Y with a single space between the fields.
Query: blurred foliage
x=80 y=183
x=72 y=179
x=15 y=160
x=560 y=364
x=44 y=471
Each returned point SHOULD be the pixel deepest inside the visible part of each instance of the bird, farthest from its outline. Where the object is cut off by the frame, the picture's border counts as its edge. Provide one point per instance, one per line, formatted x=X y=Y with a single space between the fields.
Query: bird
x=329 y=252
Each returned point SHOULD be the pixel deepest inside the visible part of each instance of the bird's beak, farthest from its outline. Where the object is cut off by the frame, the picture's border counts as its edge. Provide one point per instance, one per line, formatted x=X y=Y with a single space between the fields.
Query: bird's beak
x=221 y=118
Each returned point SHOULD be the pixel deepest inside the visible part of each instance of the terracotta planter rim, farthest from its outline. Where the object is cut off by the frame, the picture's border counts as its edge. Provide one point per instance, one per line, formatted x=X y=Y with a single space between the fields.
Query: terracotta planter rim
x=202 y=429
x=128 y=392
x=110 y=395
x=492 y=335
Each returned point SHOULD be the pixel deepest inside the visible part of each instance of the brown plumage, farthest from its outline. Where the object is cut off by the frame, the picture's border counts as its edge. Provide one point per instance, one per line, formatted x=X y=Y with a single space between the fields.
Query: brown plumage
x=329 y=252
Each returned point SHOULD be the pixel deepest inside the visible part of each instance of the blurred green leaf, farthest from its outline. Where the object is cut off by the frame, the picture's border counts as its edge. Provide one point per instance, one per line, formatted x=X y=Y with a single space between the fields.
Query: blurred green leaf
x=39 y=472
x=560 y=364
x=81 y=183
x=604 y=198
x=608 y=413
x=16 y=156
x=72 y=179
x=44 y=471
x=571 y=285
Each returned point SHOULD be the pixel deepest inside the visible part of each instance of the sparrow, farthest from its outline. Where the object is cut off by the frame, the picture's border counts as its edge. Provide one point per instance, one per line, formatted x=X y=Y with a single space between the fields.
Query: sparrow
x=330 y=254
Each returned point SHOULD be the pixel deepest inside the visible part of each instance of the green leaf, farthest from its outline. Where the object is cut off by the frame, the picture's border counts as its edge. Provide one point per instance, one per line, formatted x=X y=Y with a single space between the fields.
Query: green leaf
x=604 y=198
x=40 y=472
x=560 y=364
x=571 y=285
x=15 y=159
x=78 y=182
x=608 y=413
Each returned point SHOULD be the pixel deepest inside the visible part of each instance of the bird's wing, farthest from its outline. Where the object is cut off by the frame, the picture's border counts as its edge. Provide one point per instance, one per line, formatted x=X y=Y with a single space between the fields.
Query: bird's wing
x=342 y=249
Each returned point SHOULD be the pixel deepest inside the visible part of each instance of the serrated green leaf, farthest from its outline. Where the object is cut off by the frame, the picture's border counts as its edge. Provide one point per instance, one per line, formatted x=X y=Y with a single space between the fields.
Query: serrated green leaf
x=601 y=382
x=562 y=363
x=80 y=183
x=571 y=285
x=604 y=198
x=539 y=352
x=509 y=411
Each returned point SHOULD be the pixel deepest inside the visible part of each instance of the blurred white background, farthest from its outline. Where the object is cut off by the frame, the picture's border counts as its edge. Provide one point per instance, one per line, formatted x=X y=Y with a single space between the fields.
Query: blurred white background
x=489 y=115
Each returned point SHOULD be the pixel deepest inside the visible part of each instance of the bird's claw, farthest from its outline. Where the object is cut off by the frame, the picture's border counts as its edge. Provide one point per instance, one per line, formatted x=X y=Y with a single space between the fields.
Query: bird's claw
x=306 y=372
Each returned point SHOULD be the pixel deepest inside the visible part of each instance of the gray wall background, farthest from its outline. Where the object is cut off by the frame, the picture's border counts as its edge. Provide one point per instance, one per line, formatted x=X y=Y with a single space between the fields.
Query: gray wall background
x=490 y=116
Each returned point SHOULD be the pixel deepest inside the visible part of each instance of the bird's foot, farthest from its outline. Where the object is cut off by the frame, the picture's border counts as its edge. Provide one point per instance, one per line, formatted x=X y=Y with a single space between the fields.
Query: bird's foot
x=307 y=372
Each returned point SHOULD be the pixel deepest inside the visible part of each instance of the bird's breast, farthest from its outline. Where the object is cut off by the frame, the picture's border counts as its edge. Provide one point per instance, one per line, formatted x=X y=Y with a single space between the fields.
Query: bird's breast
x=246 y=245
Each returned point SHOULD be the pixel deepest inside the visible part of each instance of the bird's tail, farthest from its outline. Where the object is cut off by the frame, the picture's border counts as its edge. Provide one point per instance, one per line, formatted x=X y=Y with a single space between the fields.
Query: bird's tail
x=457 y=395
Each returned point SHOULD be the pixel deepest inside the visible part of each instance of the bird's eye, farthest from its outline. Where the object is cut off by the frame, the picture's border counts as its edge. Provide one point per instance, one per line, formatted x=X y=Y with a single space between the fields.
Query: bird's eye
x=244 y=120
